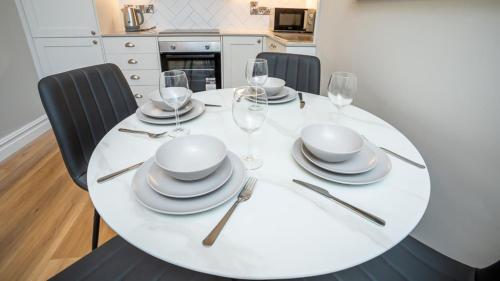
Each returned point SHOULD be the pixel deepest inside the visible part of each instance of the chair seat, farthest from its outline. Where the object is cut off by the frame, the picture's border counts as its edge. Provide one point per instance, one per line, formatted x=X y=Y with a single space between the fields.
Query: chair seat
x=118 y=260
x=410 y=260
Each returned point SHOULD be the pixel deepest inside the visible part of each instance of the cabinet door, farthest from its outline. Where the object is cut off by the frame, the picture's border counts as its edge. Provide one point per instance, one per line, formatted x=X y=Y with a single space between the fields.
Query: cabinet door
x=274 y=46
x=142 y=93
x=236 y=51
x=62 y=54
x=60 y=18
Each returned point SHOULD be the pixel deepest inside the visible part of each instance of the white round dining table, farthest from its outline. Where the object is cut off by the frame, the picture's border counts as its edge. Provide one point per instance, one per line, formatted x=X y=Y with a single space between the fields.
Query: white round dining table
x=284 y=230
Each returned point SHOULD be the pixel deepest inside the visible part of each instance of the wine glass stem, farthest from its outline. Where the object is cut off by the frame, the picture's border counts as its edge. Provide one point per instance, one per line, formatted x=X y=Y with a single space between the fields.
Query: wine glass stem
x=250 y=150
x=177 y=123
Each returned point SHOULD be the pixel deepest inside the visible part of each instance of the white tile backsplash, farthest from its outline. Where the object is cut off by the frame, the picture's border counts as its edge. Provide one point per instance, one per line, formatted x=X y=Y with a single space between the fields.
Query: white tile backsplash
x=205 y=14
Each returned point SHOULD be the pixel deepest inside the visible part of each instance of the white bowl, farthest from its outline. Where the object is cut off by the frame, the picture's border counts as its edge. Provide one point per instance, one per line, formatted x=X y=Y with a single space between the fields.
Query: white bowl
x=331 y=142
x=191 y=157
x=158 y=102
x=274 y=86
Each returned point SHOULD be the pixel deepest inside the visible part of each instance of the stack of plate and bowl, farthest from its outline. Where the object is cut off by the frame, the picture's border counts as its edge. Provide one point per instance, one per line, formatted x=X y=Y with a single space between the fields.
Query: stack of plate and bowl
x=189 y=175
x=339 y=154
x=277 y=92
x=156 y=111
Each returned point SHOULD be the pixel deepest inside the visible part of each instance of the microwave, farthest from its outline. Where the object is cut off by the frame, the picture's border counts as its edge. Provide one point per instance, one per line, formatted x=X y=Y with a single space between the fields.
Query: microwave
x=292 y=20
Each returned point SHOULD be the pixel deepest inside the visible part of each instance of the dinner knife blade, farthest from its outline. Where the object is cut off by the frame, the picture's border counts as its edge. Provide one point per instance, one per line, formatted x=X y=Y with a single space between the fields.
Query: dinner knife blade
x=327 y=194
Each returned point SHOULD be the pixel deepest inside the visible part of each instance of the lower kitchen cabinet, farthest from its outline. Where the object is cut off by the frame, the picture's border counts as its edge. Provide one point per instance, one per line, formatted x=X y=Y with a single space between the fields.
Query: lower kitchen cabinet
x=236 y=50
x=272 y=45
x=63 y=54
x=142 y=93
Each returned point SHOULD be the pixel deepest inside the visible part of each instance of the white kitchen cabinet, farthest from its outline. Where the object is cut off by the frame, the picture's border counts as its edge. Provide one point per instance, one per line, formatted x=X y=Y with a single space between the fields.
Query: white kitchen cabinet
x=272 y=45
x=142 y=93
x=236 y=50
x=63 y=54
x=61 y=18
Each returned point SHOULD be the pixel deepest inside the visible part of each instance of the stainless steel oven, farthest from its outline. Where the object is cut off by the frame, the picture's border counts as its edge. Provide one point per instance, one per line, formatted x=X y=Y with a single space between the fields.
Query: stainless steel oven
x=293 y=20
x=201 y=60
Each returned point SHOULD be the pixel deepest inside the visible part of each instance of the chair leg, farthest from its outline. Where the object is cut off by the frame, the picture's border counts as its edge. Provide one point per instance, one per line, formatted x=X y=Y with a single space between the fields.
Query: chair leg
x=95 y=229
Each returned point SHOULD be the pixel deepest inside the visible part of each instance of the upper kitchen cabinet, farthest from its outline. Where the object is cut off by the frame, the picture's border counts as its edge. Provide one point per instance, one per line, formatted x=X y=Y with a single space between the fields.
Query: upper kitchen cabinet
x=61 y=18
x=62 y=54
x=236 y=51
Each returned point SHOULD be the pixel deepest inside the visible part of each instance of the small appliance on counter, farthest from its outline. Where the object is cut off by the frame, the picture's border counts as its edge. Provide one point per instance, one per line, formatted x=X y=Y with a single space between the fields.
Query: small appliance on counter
x=292 y=20
x=133 y=17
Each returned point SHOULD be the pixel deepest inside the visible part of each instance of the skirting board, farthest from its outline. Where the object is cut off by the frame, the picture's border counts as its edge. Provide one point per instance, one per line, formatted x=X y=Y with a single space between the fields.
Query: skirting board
x=24 y=135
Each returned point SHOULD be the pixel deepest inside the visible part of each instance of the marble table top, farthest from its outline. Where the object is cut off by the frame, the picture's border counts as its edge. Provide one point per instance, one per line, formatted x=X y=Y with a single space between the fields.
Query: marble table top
x=284 y=230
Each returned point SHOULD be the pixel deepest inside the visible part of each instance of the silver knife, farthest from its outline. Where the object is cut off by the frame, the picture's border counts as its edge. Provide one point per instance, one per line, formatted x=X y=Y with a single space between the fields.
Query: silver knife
x=325 y=193
x=117 y=173
x=302 y=102
x=213 y=105
x=403 y=158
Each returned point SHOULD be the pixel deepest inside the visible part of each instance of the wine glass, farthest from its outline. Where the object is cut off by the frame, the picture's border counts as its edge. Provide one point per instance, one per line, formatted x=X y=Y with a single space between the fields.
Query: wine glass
x=256 y=72
x=341 y=89
x=249 y=113
x=174 y=90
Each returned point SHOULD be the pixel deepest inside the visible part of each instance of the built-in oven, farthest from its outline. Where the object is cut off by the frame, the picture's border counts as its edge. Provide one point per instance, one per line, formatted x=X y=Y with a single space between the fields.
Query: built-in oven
x=200 y=59
x=293 y=20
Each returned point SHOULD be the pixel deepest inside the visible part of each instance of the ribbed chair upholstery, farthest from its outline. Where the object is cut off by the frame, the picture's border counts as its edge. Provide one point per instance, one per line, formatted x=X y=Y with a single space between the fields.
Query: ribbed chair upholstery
x=82 y=106
x=301 y=72
x=408 y=261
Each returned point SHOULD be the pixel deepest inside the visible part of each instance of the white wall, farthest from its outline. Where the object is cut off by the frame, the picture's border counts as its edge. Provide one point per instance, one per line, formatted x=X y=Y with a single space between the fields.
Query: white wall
x=432 y=69
x=19 y=101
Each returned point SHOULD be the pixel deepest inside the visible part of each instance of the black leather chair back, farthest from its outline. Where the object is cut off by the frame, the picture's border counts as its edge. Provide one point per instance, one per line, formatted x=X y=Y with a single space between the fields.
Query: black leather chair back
x=301 y=72
x=82 y=106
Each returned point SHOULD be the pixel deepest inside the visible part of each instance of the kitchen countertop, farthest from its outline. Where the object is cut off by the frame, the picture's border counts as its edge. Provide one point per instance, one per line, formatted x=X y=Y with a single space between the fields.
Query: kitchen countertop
x=295 y=41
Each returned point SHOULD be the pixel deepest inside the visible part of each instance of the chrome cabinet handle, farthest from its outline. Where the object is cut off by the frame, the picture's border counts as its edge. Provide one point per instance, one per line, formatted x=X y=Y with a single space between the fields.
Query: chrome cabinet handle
x=92 y=32
x=94 y=42
x=132 y=61
x=259 y=41
x=135 y=77
x=138 y=96
x=129 y=45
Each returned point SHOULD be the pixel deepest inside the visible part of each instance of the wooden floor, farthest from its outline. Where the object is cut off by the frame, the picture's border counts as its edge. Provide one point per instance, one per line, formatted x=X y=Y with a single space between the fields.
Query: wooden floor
x=45 y=219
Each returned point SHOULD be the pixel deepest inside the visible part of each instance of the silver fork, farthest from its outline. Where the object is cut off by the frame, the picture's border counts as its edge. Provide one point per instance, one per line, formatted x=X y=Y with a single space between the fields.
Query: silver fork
x=151 y=135
x=245 y=194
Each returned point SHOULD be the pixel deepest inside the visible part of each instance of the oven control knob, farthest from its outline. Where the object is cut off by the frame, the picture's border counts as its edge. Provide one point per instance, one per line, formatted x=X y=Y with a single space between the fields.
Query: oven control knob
x=172 y=47
x=207 y=47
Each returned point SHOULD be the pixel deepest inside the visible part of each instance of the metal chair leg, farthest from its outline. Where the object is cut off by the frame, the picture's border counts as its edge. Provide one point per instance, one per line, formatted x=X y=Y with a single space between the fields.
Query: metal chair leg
x=95 y=230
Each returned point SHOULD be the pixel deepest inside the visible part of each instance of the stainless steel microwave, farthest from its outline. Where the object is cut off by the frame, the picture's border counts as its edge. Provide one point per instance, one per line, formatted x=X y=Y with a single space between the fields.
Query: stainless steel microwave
x=293 y=20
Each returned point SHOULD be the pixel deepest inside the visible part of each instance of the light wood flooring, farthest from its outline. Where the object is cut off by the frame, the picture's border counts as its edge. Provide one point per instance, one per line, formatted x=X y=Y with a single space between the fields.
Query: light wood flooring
x=45 y=219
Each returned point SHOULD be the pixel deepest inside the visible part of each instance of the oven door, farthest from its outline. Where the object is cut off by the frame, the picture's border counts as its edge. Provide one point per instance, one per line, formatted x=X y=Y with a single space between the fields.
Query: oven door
x=291 y=20
x=203 y=70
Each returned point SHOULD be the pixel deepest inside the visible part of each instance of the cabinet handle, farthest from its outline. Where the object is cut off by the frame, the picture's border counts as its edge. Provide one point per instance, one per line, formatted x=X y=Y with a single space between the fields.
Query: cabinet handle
x=138 y=96
x=259 y=41
x=129 y=45
x=132 y=61
x=92 y=32
x=135 y=77
x=273 y=46
x=94 y=42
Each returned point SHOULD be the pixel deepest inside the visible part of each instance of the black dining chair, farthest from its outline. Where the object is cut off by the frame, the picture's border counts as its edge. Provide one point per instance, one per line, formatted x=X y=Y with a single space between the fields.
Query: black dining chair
x=410 y=260
x=300 y=72
x=82 y=105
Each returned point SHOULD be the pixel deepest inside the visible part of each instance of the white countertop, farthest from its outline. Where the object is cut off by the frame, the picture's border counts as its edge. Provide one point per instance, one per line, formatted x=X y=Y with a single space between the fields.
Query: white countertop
x=223 y=32
x=284 y=230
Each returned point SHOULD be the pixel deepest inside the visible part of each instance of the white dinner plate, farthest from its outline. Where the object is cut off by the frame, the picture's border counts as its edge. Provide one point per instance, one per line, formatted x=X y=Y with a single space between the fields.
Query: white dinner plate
x=198 y=109
x=361 y=162
x=169 y=186
x=290 y=96
x=150 y=110
x=184 y=206
x=285 y=92
x=378 y=173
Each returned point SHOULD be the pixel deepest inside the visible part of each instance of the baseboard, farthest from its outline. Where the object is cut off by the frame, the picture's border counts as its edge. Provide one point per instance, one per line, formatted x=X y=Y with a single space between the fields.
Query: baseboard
x=24 y=135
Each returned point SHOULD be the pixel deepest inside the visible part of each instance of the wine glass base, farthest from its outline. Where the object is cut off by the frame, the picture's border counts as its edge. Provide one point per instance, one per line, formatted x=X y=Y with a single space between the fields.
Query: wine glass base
x=252 y=163
x=179 y=132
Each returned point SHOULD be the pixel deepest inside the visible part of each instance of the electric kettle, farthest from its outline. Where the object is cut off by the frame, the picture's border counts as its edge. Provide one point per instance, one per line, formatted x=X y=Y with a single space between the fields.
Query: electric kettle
x=133 y=18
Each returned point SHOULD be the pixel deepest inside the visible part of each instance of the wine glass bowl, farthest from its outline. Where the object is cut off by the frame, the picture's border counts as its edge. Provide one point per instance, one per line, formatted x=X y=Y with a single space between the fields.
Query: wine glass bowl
x=256 y=72
x=341 y=88
x=174 y=90
x=249 y=113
